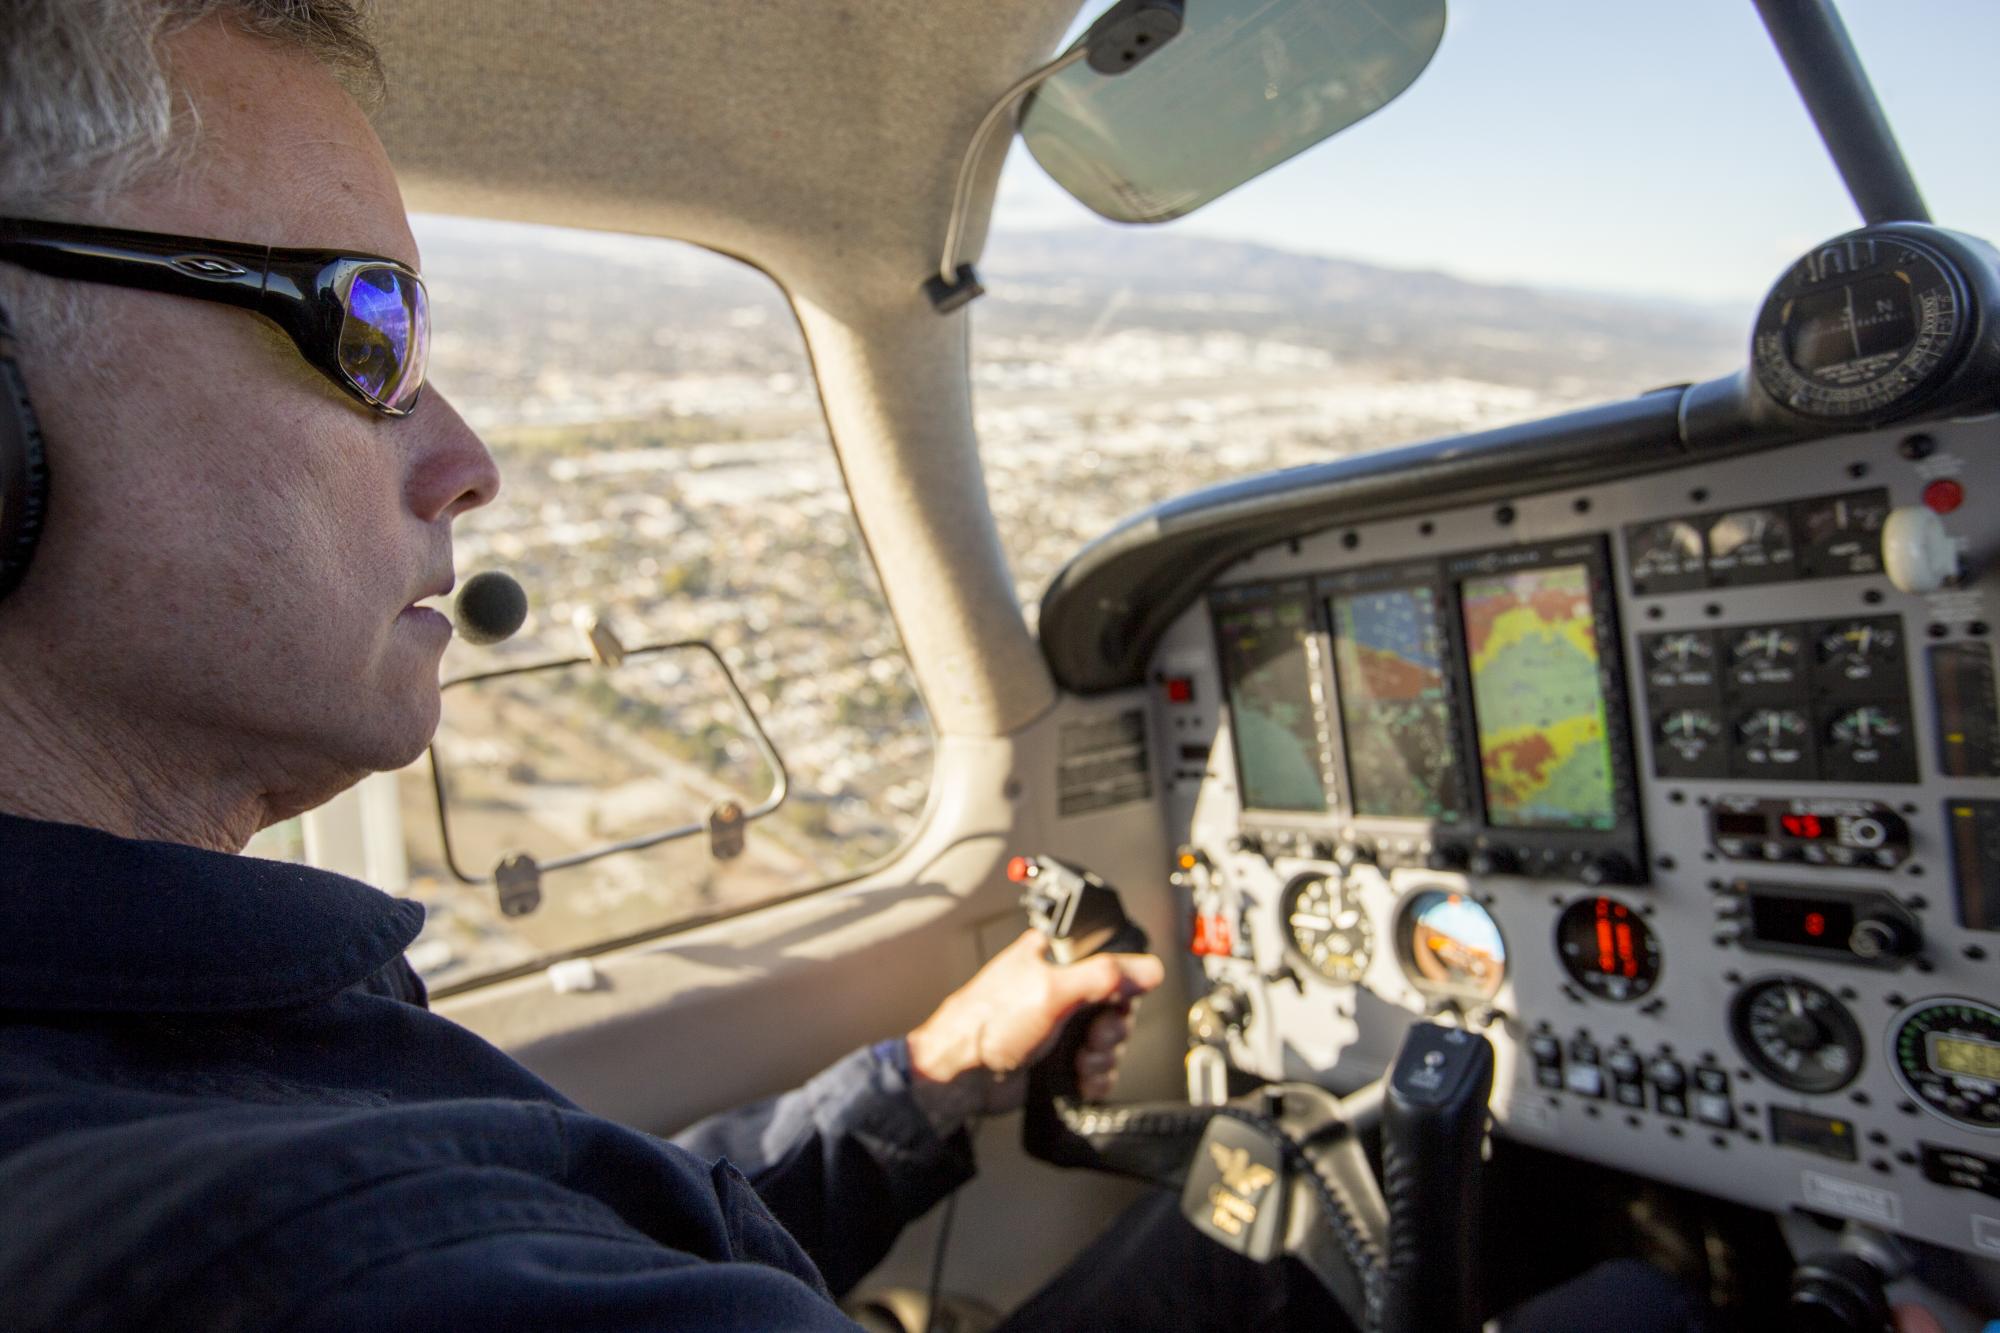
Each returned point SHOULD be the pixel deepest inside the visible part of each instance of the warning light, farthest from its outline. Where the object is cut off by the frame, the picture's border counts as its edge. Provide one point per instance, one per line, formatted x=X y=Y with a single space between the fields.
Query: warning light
x=1187 y=861
x=1815 y=924
x=1021 y=869
x=1180 y=689
x=1211 y=936
x=1944 y=496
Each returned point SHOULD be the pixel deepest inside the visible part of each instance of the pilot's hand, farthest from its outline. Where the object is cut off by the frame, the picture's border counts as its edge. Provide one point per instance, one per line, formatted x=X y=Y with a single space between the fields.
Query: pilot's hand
x=972 y=1055
x=1915 y=1319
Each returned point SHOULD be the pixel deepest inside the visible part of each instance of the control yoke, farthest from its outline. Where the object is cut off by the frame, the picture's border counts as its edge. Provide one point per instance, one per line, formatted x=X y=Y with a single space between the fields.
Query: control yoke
x=1283 y=1170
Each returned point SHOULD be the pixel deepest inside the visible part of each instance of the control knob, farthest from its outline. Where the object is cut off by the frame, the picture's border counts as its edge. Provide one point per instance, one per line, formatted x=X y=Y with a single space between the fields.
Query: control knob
x=1217 y=1016
x=1917 y=553
x=1884 y=935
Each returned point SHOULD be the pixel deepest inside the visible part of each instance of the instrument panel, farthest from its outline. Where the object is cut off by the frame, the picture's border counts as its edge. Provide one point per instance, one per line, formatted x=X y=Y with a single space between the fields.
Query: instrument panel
x=1665 y=783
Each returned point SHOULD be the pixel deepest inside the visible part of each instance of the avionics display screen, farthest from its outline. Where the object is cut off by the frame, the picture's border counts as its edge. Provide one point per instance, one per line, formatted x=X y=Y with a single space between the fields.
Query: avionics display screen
x=1267 y=673
x=1967 y=1057
x=1538 y=698
x=1395 y=704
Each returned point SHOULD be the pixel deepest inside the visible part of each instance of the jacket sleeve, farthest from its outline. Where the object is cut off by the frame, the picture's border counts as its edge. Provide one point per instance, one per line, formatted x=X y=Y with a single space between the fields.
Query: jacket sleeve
x=845 y=1162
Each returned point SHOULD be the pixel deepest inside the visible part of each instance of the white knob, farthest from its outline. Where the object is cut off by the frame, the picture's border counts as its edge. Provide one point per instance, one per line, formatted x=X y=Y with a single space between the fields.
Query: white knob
x=1917 y=552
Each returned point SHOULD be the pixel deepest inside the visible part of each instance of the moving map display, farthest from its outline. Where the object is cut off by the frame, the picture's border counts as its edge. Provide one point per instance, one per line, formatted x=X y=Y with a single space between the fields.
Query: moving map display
x=1395 y=704
x=1538 y=698
x=1274 y=724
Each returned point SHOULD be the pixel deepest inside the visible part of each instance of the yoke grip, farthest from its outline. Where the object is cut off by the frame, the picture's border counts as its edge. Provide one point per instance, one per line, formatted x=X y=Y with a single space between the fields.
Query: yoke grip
x=1433 y=1126
x=1081 y=916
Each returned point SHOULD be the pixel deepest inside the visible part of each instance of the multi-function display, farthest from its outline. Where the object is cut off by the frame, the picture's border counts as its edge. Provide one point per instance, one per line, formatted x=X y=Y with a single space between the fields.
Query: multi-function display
x=1531 y=638
x=1265 y=640
x=1394 y=677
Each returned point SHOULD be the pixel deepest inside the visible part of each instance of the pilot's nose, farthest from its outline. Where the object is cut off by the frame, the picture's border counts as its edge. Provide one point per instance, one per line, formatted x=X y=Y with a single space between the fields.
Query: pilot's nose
x=451 y=471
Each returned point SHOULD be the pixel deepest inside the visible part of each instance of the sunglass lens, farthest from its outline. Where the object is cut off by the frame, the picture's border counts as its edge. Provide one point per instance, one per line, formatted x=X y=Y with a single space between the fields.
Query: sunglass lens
x=385 y=337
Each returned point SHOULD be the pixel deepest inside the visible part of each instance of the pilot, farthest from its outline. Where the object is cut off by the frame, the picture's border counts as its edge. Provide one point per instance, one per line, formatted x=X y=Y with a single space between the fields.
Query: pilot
x=223 y=1102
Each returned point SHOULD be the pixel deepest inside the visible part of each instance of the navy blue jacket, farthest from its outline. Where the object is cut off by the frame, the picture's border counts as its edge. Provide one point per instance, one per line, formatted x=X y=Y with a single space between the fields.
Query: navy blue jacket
x=225 y=1106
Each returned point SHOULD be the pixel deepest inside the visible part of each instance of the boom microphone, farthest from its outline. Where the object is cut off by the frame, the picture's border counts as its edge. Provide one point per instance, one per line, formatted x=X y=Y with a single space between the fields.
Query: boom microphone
x=489 y=608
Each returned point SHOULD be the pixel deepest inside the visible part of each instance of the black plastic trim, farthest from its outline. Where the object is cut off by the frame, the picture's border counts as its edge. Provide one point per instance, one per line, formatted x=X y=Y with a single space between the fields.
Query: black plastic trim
x=1106 y=609
x=1827 y=71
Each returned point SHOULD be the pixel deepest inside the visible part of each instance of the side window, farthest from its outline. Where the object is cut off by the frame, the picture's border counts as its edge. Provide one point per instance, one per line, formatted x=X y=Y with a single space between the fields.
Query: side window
x=666 y=472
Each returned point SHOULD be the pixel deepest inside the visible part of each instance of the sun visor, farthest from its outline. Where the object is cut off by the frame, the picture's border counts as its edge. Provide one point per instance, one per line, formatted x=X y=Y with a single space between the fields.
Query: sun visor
x=1246 y=85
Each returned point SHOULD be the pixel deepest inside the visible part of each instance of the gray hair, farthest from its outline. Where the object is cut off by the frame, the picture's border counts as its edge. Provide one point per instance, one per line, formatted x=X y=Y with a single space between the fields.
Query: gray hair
x=88 y=107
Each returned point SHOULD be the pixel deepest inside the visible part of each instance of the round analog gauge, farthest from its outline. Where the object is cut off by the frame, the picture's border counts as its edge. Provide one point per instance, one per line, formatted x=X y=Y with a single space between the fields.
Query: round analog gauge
x=1772 y=737
x=1327 y=927
x=1450 y=946
x=1689 y=732
x=1795 y=1033
x=1771 y=648
x=1860 y=329
x=1857 y=648
x=1947 y=1055
x=1686 y=651
x=1607 y=949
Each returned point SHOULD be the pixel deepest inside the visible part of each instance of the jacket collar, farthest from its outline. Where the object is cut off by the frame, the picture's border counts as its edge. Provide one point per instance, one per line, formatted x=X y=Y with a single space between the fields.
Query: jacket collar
x=93 y=922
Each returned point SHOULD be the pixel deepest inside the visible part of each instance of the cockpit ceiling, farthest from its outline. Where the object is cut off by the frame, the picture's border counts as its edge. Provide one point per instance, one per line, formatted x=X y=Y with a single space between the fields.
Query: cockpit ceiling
x=817 y=139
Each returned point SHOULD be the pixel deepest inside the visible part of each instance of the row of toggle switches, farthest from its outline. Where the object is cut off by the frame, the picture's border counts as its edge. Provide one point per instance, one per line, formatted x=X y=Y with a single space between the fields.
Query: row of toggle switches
x=1661 y=1084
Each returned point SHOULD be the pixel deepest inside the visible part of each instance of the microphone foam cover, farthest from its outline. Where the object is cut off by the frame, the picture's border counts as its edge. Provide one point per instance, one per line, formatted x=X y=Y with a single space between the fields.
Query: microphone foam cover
x=490 y=607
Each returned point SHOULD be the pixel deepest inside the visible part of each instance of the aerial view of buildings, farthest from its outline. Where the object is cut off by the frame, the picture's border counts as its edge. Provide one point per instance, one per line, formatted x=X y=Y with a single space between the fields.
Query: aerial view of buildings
x=668 y=474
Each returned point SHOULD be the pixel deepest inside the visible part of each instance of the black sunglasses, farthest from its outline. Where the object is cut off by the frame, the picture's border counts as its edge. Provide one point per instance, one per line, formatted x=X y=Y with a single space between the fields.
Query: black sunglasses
x=361 y=320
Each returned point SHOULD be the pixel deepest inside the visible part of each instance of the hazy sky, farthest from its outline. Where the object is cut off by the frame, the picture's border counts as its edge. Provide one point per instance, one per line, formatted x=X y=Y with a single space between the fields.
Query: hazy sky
x=1646 y=146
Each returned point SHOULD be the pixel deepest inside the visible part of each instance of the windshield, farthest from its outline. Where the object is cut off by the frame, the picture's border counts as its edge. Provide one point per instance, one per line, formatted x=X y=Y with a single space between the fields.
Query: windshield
x=1574 y=203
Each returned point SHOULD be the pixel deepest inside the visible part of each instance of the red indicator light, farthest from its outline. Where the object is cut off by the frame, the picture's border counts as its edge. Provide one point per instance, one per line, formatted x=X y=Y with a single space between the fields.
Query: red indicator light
x=1607 y=954
x=1211 y=937
x=1180 y=689
x=1815 y=924
x=1802 y=826
x=1021 y=869
x=1628 y=962
x=1944 y=495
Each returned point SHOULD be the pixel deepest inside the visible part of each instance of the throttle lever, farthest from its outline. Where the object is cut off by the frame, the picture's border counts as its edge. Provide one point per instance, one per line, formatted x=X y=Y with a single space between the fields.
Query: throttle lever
x=1081 y=916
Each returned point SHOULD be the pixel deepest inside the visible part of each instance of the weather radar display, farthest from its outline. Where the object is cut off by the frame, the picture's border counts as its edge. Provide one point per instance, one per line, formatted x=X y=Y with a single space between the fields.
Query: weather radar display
x=1538 y=698
x=1388 y=655
x=1273 y=721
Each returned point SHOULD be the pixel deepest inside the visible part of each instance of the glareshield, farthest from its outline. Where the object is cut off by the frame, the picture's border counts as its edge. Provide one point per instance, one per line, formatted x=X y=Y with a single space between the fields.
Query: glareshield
x=1246 y=85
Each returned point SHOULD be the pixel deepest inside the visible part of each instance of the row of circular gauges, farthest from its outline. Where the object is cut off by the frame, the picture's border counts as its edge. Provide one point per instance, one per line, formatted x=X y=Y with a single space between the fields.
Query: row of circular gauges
x=1771 y=735
x=1451 y=948
x=1944 y=1051
x=1792 y=1030
x=1850 y=646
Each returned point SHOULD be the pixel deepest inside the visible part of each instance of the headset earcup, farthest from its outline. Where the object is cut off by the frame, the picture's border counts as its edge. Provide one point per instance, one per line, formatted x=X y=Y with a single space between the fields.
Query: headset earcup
x=24 y=468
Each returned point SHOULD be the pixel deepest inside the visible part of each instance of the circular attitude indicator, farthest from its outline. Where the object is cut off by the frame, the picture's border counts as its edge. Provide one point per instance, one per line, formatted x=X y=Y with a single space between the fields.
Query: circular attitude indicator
x=1860 y=329
x=1326 y=928
x=1947 y=1055
x=1450 y=946
x=1607 y=949
x=1796 y=1034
